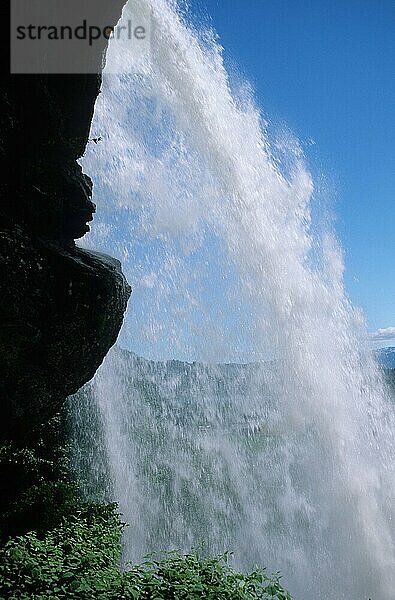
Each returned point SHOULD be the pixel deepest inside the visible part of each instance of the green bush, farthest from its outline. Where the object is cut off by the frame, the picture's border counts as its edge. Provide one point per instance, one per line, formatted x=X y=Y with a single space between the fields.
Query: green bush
x=36 y=490
x=55 y=546
x=190 y=577
x=80 y=560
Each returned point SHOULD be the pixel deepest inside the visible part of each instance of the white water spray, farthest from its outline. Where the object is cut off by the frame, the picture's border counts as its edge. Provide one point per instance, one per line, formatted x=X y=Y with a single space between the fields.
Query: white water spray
x=212 y=222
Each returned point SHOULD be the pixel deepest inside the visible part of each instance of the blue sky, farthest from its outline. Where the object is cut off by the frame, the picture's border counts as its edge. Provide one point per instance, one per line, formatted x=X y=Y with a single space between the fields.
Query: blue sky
x=327 y=70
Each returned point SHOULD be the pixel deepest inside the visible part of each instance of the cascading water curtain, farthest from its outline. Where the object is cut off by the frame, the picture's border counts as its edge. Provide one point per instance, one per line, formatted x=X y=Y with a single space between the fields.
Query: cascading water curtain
x=289 y=464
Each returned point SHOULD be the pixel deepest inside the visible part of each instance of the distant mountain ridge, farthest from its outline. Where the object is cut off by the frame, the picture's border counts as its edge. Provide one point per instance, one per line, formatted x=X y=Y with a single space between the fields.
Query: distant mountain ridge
x=386 y=357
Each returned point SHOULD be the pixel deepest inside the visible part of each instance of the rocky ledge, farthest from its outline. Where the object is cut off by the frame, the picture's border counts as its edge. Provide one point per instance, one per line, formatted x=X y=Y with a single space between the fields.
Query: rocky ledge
x=61 y=307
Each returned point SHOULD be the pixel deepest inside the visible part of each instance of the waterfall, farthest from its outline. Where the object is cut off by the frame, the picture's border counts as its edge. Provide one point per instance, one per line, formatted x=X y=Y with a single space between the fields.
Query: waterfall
x=288 y=460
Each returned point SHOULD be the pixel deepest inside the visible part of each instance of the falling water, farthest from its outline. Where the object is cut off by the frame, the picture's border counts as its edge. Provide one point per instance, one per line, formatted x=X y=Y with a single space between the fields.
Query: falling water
x=288 y=463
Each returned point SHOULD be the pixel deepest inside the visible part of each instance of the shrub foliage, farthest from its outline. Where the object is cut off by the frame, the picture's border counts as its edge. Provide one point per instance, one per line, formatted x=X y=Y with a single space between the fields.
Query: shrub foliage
x=55 y=546
x=80 y=560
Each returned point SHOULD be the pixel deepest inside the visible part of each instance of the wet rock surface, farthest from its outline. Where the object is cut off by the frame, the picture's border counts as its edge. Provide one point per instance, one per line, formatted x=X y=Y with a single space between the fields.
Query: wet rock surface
x=61 y=307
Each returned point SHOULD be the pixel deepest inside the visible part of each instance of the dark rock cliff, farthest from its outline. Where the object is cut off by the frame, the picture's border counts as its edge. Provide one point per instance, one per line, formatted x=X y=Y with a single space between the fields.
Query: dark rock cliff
x=61 y=307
